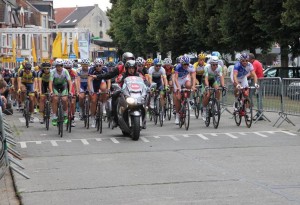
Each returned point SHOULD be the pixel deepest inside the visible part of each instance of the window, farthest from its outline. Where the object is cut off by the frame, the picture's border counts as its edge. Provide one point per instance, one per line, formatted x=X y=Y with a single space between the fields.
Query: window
x=23 y=41
x=3 y=40
x=100 y=23
x=45 y=43
x=9 y=40
x=44 y=22
x=101 y=34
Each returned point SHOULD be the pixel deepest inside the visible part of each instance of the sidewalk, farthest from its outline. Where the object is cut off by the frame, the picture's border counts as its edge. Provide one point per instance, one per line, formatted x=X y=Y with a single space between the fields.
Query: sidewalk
x=7 y=192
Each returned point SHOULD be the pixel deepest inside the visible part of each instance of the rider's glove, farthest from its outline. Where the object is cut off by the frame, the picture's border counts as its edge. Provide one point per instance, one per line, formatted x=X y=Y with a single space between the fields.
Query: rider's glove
x=167 y=88
x=238 y=86
x=256 y=85
x=19 y=90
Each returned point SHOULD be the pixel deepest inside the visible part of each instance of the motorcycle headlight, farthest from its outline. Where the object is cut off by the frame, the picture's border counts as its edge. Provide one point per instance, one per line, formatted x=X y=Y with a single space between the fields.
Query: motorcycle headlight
x=130 y=101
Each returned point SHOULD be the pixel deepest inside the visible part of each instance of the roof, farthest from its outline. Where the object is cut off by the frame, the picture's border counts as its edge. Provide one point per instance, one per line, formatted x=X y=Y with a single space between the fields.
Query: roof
x=2 y=10
x=78 y=14
x=61 y=13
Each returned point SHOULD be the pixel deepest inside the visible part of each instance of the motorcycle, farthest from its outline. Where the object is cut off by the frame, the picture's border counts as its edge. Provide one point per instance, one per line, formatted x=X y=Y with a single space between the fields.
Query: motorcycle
x=131 y=106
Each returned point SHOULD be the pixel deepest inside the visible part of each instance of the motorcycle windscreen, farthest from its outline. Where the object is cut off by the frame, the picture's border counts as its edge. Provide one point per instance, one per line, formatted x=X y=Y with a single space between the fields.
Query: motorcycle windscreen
x=134 y=84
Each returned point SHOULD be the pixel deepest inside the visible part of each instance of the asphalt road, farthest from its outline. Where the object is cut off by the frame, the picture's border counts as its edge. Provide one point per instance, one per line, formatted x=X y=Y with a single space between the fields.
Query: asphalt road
x=168 y=165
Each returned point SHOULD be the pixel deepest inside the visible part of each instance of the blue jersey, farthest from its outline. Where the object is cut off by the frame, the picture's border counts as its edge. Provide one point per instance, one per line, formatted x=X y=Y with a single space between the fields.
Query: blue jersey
x=242 y=71
x=83 y=75
x=183 y=73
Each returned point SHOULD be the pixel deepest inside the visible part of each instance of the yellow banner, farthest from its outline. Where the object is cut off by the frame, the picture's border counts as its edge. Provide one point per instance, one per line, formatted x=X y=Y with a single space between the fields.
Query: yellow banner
x=14 y=50
x=65 y=53
x=76 y=47
x=56 y=46
x=33 y=53
x=7 y=59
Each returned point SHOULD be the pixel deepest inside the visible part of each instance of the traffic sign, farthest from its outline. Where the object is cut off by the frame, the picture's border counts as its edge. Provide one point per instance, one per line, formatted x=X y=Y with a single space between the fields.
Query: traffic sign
x=72 y=56
x=20 y=59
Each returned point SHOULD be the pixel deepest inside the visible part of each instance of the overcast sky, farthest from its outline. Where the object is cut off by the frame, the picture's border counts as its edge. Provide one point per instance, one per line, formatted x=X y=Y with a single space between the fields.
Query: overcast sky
x=103 y=4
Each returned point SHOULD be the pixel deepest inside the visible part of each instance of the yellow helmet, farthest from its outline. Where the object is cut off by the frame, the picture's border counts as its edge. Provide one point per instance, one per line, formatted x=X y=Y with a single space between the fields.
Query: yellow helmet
x=36 y=68
x=149 y=60
x=202 y=56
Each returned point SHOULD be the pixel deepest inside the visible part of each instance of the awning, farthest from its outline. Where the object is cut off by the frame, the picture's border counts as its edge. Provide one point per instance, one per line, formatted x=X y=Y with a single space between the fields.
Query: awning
x=102 y=43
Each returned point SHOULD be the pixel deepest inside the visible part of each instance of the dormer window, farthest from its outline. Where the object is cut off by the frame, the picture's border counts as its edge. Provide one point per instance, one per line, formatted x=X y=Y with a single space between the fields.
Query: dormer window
x=74 y=20
x=67 y=21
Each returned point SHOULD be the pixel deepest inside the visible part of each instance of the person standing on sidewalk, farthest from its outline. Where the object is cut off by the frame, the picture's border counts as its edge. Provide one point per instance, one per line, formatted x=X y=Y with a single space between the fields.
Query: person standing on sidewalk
x=258 y=69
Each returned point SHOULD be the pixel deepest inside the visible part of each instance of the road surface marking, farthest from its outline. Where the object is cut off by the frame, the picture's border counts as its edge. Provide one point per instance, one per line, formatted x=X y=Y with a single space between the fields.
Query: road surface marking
x=157 y=137
x=259 y=134
x=173 y=137
x=242 y=133
x=98 y=139
x=54 y=143
x=213 y=134
x=84 y=141
x=68 y=140
x=231 y=135
x=288 y=133
x=271 y=132
x=38 y=142
x=144 y=139
x=23 y=144
x=186 y=135
x=202 y=136
x=114 y=140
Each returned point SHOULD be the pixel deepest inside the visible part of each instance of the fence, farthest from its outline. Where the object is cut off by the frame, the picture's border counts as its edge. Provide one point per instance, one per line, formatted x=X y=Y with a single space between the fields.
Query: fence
x=8 y=155
x=277 y=95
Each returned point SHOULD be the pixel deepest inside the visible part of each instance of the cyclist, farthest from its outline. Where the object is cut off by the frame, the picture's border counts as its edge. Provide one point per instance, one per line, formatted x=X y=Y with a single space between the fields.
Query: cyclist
x=241 y=71
x=140 y=63
x=59 y=81
x=158 y=75
x=83 y=75
x=184 y=76
x=27 y=81
x=43 y=85
x=213 y=77
x=167 y=65
x=199 y=67
x=149 y=63
x=68 y=65
x=95 y=85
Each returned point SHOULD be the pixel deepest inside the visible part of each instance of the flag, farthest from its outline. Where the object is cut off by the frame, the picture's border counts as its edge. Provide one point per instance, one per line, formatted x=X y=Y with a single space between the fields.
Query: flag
x=56 y=46
x=76 y=47
x=65 y=53
x=14 y=50
x=33 y=52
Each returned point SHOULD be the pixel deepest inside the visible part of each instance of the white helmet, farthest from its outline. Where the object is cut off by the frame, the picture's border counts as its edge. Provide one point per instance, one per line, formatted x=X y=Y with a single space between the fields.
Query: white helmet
x=167 y=61
x=85 y=61
x=59 y=61
x=68 y=63
x=214 y=59
x=98 y=61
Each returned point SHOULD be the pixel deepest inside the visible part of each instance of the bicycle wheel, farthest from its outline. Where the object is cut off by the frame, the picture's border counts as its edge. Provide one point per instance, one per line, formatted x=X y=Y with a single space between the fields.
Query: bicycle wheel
x=87 y=114
x=161 y=114
x=181 y=115
x=215 y=111
x=186 y=115
x=47 y=114
x=60 y=120
x=238 y=114
x=100 y=117
x=169 y=107
x=26 y=111
x=197 y=106
x=248 y=112
x=155 y=110
x=97 y=117
x=208 y=111
x=69 y=124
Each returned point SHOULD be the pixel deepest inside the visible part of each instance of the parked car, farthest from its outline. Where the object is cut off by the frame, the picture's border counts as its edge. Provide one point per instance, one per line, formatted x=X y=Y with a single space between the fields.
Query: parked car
x=293 y=90
x=283 y=72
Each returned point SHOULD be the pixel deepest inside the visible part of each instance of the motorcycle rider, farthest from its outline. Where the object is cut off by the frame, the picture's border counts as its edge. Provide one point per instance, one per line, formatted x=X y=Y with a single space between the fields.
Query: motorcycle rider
x=109 y=75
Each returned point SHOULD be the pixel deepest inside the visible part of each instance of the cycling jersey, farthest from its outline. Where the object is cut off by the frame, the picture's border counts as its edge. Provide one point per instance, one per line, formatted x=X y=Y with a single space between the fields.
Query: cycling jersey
x=60 y=81
x=213 y=75
x=241 y=71
x=96 y=82
x=45 y=80
x=27 y=78
x=83 y=79
x=199 y=68
x=182 y=72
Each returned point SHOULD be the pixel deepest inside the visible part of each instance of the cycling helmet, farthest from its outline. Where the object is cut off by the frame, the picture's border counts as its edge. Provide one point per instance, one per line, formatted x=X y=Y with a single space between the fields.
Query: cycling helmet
x=27 y=66
x=68 y=64
x=46 y=65
x=157 y=61
x=127 y=55
x=244 y=56
x=140 y=61
x=59 y=61
x=149 y=60
x=184 y=60
x=216 y=53
x=110 y=65
x=85 y=61
x=214 y=59
x=98 y=61
x=202 y=56
x=167 y=61
x=130 y=63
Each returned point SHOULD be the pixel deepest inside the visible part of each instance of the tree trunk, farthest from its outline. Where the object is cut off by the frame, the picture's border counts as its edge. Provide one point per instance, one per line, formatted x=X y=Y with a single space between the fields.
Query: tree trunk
x=284 y=50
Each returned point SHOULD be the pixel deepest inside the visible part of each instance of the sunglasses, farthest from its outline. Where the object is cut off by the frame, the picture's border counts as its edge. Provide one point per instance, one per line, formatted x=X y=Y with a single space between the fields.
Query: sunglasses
x=46 y=68
x=131 y=68
x=213 y=64
x=185 y=64
x=158 y=66
x=244 y=60
x=98 y=65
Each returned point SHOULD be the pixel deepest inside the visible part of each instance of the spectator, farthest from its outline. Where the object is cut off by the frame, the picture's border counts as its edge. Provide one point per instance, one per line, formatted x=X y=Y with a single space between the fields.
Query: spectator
x=3 y=101
x=258 y=69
